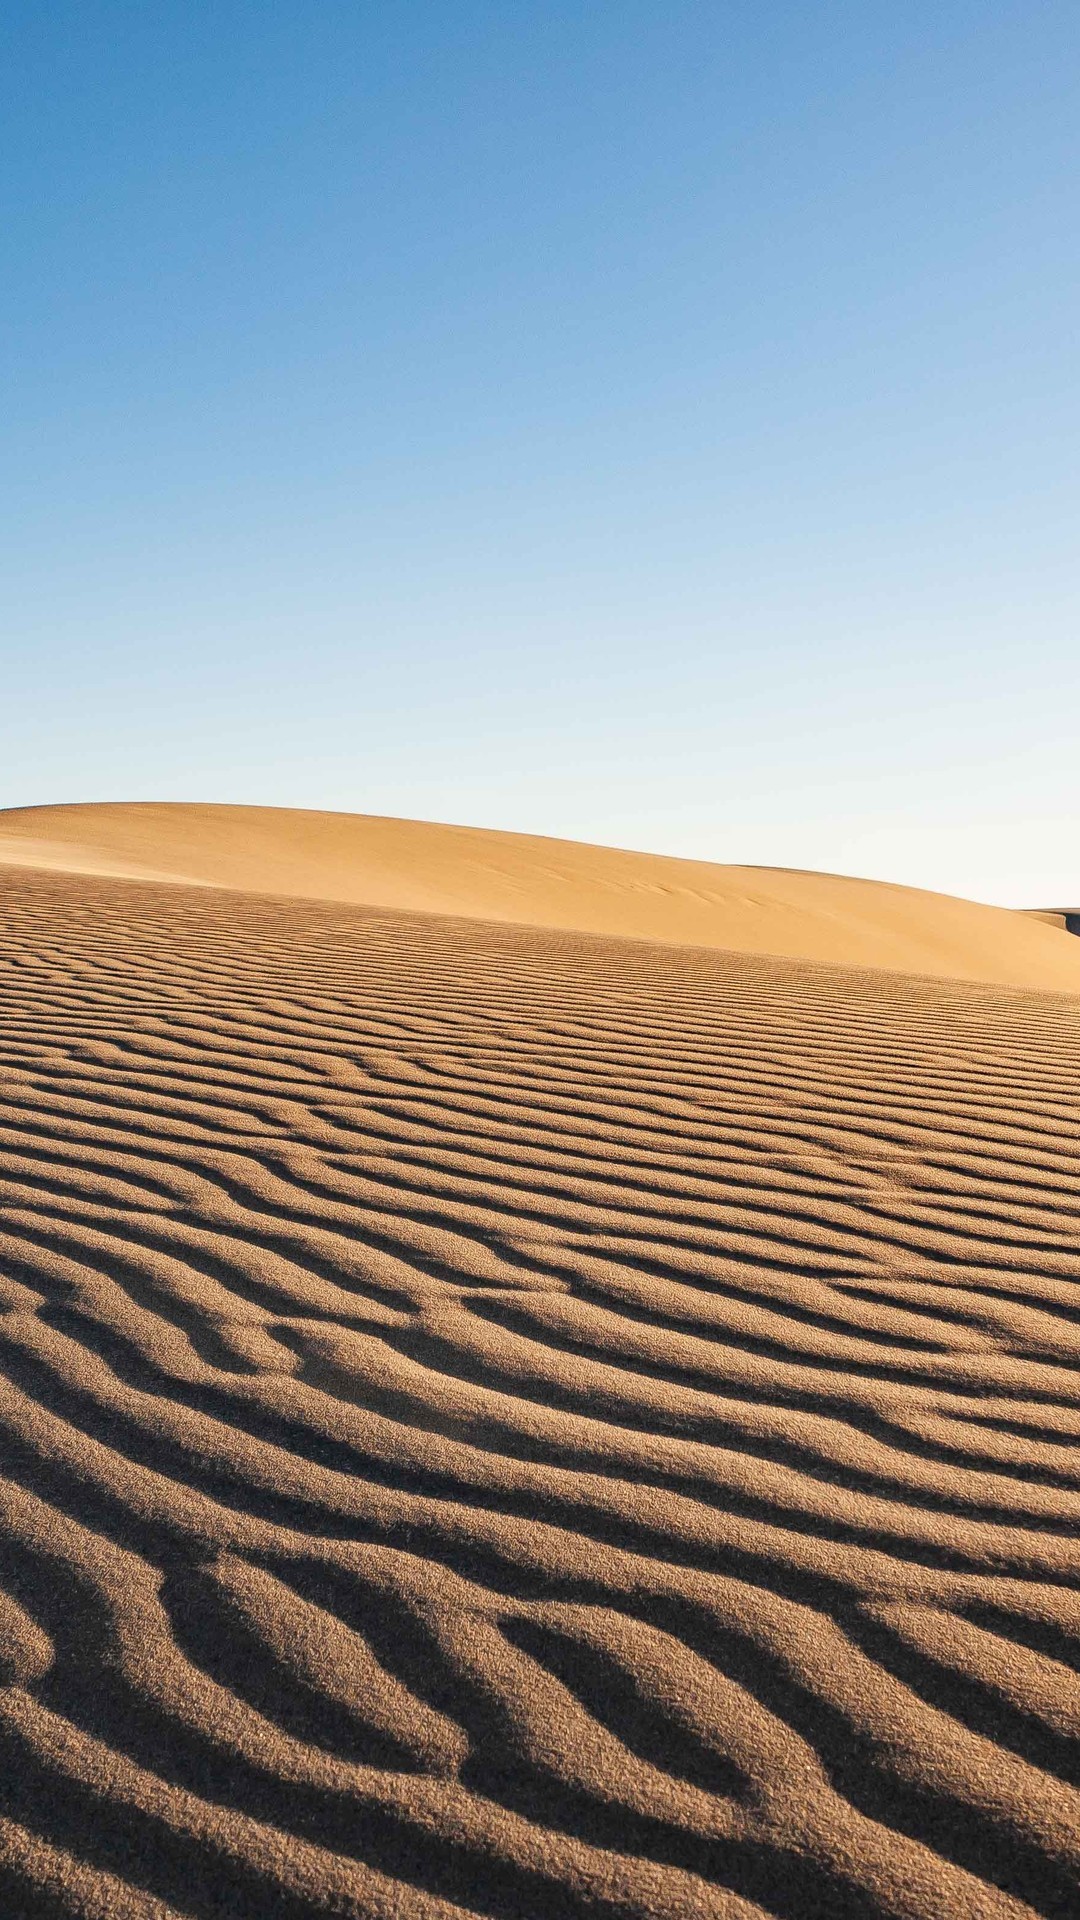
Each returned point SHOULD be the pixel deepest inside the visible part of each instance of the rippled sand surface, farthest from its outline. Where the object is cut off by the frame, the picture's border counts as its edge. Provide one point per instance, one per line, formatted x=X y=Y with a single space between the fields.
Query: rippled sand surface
x=513 y=1423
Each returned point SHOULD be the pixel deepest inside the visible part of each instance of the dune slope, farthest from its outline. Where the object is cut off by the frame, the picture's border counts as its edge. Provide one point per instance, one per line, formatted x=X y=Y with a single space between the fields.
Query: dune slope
x=508 y=1423
x=417 y=866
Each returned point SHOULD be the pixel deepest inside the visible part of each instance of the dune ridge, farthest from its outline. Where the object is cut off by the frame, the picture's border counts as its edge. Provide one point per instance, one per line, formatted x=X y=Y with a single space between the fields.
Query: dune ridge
x=507 y=1422
x=420 y=866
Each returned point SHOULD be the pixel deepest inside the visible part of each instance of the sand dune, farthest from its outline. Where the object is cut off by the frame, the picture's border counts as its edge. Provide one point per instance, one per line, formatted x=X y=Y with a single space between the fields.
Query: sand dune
x=513 y=1423
x=1067 y=917
x=416 y=866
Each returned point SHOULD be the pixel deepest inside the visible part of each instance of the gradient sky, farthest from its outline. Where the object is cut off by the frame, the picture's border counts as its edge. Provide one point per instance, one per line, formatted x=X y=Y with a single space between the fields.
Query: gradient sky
x=655 y=424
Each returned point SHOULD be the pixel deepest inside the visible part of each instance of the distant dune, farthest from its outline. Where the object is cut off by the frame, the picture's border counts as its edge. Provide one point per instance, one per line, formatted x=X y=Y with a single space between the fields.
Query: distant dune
x=1067 y=917
x=477 y=874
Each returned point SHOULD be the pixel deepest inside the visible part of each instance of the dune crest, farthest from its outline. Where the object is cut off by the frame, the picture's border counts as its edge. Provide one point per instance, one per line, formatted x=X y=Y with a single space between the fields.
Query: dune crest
x=476 y=873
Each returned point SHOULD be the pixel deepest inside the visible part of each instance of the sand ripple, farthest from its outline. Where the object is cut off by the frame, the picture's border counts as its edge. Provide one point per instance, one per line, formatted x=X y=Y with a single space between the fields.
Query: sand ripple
x=516 y=1424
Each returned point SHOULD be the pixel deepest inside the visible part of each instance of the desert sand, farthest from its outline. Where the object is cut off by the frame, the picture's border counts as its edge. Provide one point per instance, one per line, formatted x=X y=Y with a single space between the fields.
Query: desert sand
x=422 y=867
x=508 y=1419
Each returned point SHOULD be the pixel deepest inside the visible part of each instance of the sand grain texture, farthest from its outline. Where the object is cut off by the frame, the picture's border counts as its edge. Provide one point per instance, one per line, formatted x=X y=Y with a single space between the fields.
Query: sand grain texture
x=504 y=1422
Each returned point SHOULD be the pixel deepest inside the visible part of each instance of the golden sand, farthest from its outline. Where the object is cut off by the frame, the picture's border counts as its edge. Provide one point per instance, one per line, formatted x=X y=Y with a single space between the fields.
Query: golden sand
x=498 y=1420
x=416 y=866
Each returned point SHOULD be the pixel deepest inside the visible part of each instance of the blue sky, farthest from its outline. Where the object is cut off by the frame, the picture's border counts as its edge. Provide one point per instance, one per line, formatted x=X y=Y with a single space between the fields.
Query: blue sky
x=653 y=424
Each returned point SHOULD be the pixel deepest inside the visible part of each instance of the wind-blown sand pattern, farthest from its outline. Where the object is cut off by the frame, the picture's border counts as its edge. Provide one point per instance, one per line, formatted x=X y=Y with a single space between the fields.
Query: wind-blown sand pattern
x=513 y=1423
x=422 y=866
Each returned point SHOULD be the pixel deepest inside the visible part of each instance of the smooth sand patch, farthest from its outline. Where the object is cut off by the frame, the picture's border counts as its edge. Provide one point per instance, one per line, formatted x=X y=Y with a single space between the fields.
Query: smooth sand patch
x=418 y=866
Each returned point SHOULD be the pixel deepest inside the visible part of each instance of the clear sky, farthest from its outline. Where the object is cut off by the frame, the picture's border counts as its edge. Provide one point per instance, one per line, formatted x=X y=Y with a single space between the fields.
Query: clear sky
x=655 y=424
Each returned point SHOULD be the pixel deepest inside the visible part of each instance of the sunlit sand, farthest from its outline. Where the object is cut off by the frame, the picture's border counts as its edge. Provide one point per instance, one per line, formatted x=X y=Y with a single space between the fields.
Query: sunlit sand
x=534 y=1380
x=422 y=867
